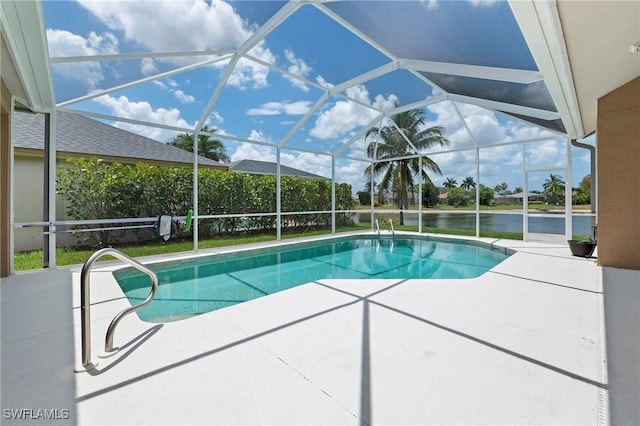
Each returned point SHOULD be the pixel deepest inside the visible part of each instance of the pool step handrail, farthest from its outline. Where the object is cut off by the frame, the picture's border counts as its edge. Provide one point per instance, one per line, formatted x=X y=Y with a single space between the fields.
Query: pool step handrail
x=378 y=227
x=393 y=232
x=85 y=304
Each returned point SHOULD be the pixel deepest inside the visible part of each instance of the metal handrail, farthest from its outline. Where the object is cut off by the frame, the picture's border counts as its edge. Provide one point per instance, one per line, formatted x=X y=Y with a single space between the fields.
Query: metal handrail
x=85 y=306
x=393 y=232
x=378 y=227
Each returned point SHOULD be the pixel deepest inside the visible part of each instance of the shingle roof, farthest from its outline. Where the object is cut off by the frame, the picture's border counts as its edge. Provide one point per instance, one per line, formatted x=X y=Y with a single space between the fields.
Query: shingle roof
x=255 y=167
x=521 y=195
x=81 y=135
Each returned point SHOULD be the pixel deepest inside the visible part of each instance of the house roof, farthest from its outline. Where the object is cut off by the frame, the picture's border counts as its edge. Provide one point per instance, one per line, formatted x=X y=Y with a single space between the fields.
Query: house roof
x=255 y=167
x=520 y=195
x=80 y=135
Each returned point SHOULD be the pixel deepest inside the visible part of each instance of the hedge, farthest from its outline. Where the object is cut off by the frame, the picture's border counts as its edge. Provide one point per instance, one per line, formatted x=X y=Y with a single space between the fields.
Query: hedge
x=94 y=189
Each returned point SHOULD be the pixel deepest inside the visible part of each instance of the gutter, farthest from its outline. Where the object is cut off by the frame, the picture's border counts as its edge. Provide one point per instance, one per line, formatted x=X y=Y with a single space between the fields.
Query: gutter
x=592 y=151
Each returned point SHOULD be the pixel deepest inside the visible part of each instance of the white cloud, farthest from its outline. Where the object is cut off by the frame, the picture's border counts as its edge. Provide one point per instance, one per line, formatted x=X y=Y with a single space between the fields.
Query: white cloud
x=546 y=154
x=486 y=3
x=298 y=67
x=278 y=108
x=431 y=4
x=172 y=86
x=351 y=172
x=345 y=116
x=517 y=130
x=250 y=151
x=498 y=164
x=269 y=108
x=248 y=73
x=123 y=107
x=324 y=83
x=148 y=67
x=65 y=43
x=186 y=26
x=183 y=97
x=217 y=117
x=177 y=25
x=312 y=163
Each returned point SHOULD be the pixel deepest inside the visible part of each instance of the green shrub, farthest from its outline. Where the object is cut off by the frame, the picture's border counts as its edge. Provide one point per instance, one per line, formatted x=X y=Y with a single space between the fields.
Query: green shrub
x=430 y=194
x=94 y=189
x=486 y=195
x=457 y=197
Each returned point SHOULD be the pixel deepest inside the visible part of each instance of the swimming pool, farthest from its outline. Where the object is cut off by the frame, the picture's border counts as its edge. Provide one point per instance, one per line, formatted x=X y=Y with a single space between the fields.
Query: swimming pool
x=204 y=284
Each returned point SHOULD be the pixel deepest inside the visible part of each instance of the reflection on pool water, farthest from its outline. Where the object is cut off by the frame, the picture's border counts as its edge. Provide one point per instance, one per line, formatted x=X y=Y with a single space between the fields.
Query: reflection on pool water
x=203 y=284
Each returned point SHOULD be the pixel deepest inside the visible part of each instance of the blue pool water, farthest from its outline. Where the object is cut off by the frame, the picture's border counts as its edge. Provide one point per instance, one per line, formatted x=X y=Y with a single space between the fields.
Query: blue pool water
x=204 y=284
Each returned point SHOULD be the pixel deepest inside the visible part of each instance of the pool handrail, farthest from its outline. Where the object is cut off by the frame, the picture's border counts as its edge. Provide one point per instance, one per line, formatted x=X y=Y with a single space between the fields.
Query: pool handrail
x=393 y=232
x=378 y=227
x=85 y=305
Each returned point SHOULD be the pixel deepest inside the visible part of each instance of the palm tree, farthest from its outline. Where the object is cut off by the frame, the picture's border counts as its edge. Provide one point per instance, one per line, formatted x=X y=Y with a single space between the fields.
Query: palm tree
x=405 y=136
x=207 y=147
x=468 y=183
x=450 y=183
x=553 y=187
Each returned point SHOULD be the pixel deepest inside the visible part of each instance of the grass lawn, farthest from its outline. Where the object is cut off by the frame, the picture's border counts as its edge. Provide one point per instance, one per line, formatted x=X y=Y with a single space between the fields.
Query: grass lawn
x=24 y=261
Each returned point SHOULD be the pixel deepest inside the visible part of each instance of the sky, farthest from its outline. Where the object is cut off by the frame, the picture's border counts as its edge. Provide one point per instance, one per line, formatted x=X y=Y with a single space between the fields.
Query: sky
x=274 y=97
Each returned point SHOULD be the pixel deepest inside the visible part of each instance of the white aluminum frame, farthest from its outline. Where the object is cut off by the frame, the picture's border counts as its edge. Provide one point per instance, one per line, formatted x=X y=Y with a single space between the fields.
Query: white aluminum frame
x=540 y=24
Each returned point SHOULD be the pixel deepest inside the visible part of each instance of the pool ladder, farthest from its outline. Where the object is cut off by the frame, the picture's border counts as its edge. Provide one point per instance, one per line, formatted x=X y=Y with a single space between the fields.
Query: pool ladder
x=393 y=232
x=85 y=305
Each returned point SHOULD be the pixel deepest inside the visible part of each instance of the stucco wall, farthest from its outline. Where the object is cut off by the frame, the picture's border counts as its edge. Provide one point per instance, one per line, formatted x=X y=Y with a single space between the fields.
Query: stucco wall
x=618 y=130
x=28 y=204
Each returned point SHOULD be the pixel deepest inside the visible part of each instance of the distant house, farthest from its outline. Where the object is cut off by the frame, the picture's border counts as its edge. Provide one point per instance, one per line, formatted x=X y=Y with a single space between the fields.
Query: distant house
x=517 y=198
x=255 y=167
x=76 y=136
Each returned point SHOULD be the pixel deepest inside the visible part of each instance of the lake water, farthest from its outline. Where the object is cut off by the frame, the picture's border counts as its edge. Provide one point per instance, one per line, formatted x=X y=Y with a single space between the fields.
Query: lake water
x=508 y=222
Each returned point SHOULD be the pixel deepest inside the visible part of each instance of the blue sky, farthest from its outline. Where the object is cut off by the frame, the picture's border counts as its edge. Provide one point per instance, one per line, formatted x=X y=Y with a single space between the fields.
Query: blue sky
x=306 y=54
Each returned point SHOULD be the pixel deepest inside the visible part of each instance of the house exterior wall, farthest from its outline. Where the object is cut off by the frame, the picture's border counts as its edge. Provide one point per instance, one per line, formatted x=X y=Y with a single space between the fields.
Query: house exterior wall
x=5 y=180
x=28 y=204
x=618 y=129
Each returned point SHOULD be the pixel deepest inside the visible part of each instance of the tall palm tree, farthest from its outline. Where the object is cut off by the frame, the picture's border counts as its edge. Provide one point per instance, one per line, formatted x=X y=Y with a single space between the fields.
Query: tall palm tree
x=553 y=187
x=407 y=135
x=450 y=183
x=468 y=183
x=207 y=147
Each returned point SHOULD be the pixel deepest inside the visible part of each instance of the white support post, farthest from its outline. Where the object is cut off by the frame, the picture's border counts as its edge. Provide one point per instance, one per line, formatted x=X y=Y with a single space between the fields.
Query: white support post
x=477 y=192
x=568 y=195
x=278 y=198
x=333 y=194
x=420 y=195
x=194 y=225
x=372 y=192
x=51 y=190
x=12 y=188
x=525 y=197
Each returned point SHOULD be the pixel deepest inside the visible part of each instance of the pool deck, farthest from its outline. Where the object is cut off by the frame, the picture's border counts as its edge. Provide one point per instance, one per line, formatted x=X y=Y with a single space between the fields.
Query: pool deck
x=522 y=344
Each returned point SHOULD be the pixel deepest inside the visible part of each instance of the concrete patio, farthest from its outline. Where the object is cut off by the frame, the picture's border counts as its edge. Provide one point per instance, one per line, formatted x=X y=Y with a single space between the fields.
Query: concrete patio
x=524 y=343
